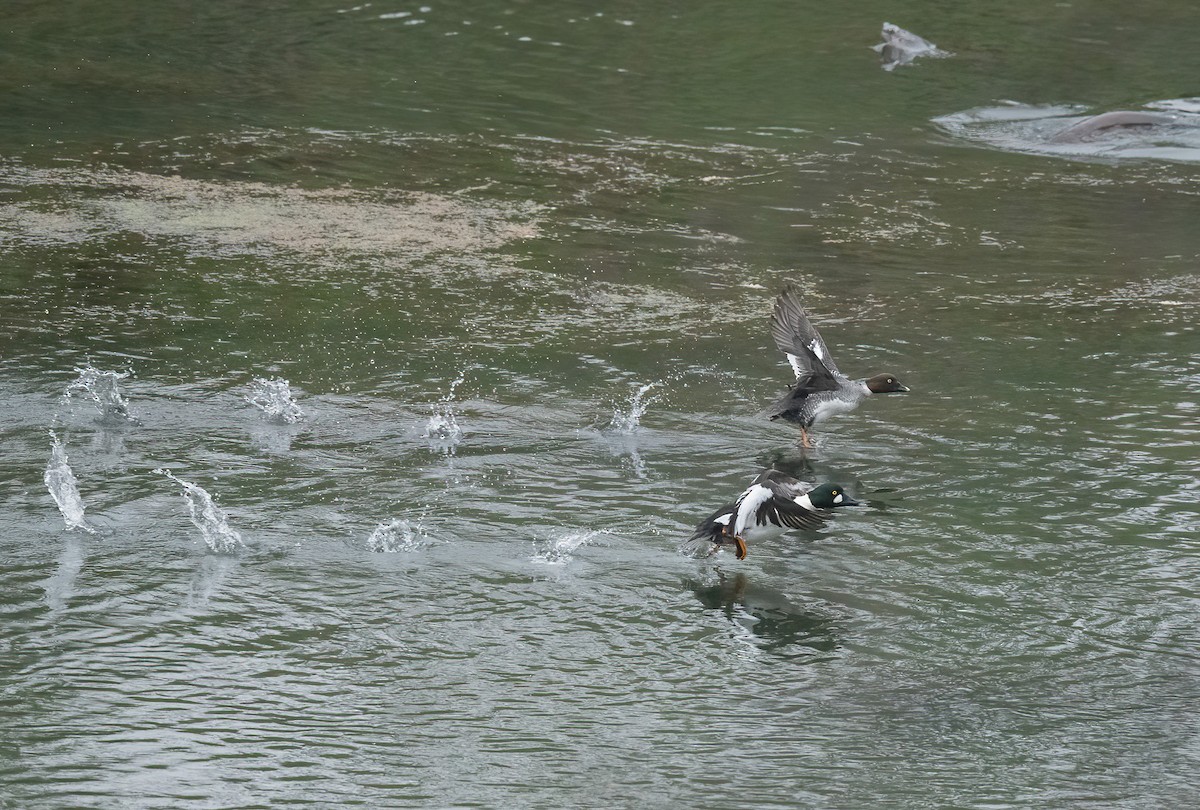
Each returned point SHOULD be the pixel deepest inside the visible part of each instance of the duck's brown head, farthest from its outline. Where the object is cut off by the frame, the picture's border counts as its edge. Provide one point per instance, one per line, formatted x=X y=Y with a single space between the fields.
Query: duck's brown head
x=886 y=384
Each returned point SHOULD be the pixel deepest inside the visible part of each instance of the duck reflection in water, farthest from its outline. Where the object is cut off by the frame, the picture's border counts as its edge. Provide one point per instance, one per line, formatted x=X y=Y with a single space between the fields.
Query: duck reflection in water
x=779 y=623
x=796 y=462
x=799 y=464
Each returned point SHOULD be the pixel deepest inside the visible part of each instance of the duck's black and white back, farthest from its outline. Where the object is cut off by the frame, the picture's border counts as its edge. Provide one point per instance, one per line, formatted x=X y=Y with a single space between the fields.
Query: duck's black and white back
x=772 y=504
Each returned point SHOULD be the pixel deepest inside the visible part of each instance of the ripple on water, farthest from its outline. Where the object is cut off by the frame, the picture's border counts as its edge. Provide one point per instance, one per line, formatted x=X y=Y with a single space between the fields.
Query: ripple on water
x=1025 y=585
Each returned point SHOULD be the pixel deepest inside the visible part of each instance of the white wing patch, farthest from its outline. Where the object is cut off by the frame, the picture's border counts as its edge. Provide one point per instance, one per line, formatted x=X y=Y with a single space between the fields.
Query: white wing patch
x=805 y=502
x=748 y=504
x=723 y=519
x=819 y=351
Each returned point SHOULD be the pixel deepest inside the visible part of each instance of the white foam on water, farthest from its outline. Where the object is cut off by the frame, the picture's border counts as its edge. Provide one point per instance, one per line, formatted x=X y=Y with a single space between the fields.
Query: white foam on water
x=252 y=219
x=274 y=398
x=64 y=488
x=397 y=535
x=558 y=550
x=1186 y=105
x=208 y=517
x=102 y=389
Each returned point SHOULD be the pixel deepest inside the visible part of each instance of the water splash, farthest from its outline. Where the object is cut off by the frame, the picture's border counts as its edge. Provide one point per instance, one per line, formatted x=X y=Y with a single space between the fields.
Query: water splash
x=274 y=398
x=700 y=548
x=207 y=517
x=627 y=421
x=558 y=550
x=397 y=535
x=64 y=489
x=623 y=428
x=442 y=429
x=101 y=387
x=462 y=375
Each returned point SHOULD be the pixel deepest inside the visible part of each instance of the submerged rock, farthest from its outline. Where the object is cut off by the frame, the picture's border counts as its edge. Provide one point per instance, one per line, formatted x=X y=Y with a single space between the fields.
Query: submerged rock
x=899 y=47
x=1161 y=130
x=1103 y=122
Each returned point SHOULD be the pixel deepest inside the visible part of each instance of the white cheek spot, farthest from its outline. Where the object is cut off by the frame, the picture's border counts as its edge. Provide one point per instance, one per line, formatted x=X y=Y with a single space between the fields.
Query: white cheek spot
x=837 y=498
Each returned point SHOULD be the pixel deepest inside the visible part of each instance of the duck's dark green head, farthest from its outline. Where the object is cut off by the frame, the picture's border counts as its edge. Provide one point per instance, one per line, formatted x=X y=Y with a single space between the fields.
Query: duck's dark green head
x=886 y=384
x=830 y=496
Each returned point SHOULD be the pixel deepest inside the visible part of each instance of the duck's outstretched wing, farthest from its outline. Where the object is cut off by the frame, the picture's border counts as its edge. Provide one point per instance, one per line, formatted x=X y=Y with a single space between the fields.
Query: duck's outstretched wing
x=813 y=378
x=796 y=337
x=793 y=404
x=790 y=514
x=771 y=502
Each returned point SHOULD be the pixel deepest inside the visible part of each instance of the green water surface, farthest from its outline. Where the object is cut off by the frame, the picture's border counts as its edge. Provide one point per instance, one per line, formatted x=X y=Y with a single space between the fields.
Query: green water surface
x=511 y=218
